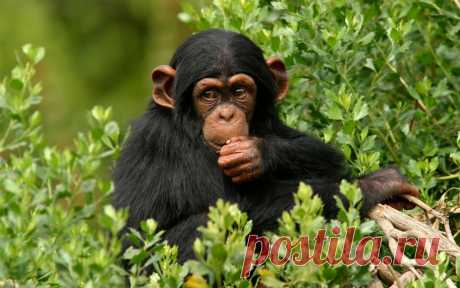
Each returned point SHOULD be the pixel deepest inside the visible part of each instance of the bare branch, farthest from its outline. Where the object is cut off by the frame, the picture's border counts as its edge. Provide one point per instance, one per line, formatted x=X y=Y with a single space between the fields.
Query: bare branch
x=405 y=279
x=396 y=224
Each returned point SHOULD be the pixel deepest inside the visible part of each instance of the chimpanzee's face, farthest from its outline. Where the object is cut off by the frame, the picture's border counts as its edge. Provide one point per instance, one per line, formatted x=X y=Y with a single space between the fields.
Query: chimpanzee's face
x=211 y=82
x=225 y=105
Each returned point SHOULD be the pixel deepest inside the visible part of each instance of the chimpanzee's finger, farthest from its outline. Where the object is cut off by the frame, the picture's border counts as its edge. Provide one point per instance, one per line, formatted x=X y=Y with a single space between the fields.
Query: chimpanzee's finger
x=408 y=205
x=237 y=139
x=409 y=189
x=396 y=205
x=234 y=160
x=240 y=170
x=236 y=147
x=401 y=204
x=393 y=189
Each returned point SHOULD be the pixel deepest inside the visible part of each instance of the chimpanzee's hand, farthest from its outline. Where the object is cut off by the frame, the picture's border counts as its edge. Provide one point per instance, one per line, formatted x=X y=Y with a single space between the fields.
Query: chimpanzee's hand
x=240 y=158
x=384 y=186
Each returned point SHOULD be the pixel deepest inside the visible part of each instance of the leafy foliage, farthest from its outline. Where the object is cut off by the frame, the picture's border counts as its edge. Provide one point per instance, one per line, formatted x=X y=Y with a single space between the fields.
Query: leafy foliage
x=380 y=80
x=50 y=233
x=305 y=220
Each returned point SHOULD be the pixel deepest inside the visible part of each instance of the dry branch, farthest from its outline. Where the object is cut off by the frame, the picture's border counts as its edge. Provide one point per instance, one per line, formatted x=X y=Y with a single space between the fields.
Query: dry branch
x=387 y=274
x=396 y=224
x=405 y=279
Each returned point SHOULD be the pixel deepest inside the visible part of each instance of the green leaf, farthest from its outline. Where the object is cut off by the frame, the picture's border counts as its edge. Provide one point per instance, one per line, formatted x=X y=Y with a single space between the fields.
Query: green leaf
x=441 y=89
x=360 y=110
x=367 y=39
x=11 y=186
x=334 y=112
x=455 y=157
x=219 y=252
x=370 y=64
x=88 y=186
x=184 y=17
x=279 y=5
x=198 y=247
x=112 y=130
x=36 y=54
x=423 y=87
x=149 y=226
x=98 y=113
x=35 y=119
x=413 y=93
x=130 y=253
x=457 y=266
x=16 y=84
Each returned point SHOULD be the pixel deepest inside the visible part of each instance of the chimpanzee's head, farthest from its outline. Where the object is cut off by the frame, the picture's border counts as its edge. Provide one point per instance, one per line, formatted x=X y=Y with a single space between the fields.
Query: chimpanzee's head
x=221 y=80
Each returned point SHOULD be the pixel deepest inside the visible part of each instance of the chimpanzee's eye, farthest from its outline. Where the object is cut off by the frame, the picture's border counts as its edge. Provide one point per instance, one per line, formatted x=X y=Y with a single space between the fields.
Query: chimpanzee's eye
x=239 y=91
x=210 y=94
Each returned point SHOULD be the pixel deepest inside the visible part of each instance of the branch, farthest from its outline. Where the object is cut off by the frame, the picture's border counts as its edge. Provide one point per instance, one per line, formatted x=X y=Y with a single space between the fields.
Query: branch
x=396 y=224
x=457 y=3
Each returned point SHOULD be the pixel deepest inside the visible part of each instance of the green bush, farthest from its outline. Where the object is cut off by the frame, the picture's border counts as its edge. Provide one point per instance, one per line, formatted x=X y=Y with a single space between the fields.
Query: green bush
x=51 y=232
x=379 y=80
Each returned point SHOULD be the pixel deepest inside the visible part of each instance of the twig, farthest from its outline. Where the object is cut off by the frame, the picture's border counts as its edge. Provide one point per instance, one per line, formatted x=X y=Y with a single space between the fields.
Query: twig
x=457 y=3
x=396 y=224
x=405 y=279
x=397 y=282
x=423 y=205
x=387 y=274
x=444 y=219
x=450 y=283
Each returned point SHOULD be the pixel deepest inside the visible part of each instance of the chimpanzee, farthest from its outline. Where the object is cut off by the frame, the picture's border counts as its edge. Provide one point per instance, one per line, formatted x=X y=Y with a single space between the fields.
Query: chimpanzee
x=212 y=131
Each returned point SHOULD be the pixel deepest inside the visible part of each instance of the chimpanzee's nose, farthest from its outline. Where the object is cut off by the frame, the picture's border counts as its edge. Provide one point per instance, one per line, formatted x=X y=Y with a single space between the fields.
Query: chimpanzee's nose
x=226 y=113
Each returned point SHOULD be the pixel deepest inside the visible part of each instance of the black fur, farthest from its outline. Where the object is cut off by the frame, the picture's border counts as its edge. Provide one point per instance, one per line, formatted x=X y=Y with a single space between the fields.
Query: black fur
x=166 y=172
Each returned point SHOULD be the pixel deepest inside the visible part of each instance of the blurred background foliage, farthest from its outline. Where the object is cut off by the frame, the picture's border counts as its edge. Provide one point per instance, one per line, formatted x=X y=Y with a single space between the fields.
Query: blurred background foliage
x=99 y=52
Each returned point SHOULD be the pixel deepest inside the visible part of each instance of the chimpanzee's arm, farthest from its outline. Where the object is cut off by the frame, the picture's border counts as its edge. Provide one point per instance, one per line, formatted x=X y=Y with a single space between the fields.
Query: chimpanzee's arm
x=386 y=186
x=280 y=196
x=288 y=151
x=303 y=156
x=285 y=153
x=309 y=158
x=383 y=186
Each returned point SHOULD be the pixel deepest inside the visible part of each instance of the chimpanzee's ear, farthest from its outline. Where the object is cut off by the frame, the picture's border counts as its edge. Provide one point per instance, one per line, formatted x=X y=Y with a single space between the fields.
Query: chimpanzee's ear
x=279 y=73
x=163 y=79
